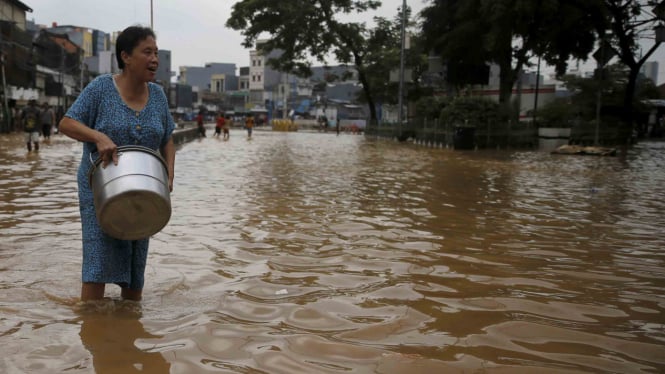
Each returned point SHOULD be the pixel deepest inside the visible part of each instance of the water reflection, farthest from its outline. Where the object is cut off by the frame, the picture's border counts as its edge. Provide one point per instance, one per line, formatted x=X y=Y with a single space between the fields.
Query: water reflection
x=110 y=331
x=302 y=253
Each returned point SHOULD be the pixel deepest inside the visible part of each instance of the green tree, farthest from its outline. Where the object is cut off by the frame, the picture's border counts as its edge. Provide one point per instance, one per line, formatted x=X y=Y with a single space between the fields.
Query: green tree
x=629 y=22
x=585 y=90
x=467 y=110
x=306 y=29
x=382 y=56
x=583 y=100
x=510 y=33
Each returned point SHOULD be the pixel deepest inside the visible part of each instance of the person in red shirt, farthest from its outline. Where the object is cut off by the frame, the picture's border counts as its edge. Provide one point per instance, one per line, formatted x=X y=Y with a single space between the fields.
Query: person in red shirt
x=220 y=124
x=199 y=124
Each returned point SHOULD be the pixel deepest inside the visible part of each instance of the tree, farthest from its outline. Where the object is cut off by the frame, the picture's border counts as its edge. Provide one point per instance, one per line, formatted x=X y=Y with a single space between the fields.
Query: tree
x=510 y=33
x=628 y=23
x=585 y=89
x=304 y=29
x=583 y=100
x=382 y=56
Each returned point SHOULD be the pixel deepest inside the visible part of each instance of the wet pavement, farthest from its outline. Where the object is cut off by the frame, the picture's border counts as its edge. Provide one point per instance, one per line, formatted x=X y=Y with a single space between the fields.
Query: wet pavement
x=316 y=253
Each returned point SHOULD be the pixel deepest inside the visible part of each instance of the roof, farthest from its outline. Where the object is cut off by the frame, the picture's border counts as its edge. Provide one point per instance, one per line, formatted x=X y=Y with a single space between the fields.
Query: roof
x=62 y=40
x=20 y=5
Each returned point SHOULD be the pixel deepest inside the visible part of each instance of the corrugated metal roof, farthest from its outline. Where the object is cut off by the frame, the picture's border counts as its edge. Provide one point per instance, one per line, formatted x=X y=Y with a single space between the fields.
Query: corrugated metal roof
x=21 y=5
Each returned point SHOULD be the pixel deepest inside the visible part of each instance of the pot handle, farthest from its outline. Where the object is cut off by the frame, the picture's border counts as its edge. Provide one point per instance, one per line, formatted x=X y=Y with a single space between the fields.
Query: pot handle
x=93 y=162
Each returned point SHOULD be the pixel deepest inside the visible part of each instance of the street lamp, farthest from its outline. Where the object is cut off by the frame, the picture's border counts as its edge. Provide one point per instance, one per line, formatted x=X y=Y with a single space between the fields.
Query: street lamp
x=5 y=106
x=400 y=99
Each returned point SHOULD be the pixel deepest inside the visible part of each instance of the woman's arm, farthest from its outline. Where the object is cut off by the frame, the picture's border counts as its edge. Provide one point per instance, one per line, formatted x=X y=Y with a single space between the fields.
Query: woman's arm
x=168 y=152
x=105 y=147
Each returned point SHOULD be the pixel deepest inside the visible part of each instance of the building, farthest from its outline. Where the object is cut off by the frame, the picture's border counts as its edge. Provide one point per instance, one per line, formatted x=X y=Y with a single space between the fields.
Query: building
x=14 y=11
x=18 y=73
x=59 y=70
x=104 y=62
x=201 y=77
x=164 y=72
x=83 y=37
x=181 y=100
x=264 y=81
x=650 y=71
x=243 y=79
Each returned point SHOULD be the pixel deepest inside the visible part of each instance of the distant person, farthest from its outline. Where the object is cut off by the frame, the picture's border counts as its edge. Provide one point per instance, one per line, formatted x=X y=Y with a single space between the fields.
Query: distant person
x=226 y=127
x=337 y=126
x=249 y=125
x=199 y=124
x=47 y=117
x=119 y=110
x=30 y=120
x=219 y=125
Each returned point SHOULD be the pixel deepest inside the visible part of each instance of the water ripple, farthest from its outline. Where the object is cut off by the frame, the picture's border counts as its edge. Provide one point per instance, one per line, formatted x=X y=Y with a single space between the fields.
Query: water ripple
x=301 y=253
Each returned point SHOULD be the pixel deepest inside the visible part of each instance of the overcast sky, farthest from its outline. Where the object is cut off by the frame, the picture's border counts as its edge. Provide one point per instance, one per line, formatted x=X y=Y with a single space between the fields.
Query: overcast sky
x=193 y=30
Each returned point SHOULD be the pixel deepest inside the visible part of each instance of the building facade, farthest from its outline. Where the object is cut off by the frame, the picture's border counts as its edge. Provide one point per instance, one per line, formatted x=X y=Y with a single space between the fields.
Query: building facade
x=14 y=11
x=650 y=71
x=201 y=77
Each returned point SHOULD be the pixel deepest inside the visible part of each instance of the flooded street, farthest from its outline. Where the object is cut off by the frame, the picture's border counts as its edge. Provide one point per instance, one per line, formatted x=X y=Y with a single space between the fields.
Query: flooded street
x=312 y=253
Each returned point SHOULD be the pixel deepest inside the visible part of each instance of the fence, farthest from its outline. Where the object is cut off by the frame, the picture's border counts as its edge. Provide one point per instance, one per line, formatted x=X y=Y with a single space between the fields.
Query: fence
x=491 y=134
x=488 y=135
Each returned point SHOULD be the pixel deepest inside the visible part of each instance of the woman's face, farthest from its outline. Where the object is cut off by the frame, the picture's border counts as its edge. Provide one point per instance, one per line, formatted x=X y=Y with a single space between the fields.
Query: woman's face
x=144 y=60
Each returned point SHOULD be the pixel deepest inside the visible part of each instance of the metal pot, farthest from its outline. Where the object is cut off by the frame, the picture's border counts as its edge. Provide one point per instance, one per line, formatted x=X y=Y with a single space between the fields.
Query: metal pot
x=132 y=199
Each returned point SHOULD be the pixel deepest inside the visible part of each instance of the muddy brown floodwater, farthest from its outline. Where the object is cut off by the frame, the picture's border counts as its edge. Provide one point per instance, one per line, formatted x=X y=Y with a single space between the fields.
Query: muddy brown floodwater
x=316 y=253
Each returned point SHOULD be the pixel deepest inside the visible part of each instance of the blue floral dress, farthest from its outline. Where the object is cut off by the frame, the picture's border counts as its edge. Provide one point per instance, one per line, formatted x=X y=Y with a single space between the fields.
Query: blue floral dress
x=106 y=259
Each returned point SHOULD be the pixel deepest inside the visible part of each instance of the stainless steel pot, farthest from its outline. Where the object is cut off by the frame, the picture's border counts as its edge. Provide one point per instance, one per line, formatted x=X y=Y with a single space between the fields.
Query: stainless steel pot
x=132 y=199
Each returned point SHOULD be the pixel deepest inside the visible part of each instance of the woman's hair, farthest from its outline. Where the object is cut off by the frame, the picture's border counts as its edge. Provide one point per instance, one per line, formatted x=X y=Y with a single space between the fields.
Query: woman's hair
x=128 y=39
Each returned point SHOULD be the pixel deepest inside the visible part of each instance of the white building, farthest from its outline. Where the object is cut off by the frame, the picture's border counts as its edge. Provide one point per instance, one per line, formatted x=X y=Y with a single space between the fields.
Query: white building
x=650 y=71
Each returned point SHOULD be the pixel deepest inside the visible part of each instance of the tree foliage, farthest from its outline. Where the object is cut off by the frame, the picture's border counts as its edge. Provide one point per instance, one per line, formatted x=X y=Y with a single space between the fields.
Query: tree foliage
x=467 y=110
x=558 y=113
x=431 y=106
x=509 y=33
x=628 y=23
x=382 y=57
x=312 y=29
x=584 y=96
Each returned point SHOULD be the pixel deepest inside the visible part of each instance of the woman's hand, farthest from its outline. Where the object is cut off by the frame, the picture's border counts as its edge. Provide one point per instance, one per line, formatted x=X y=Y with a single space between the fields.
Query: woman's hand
x=108 y=151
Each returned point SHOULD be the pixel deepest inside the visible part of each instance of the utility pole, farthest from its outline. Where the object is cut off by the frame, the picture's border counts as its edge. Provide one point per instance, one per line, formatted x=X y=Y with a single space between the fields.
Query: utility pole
x=62 y=79
x=599 y=70
x=285 y=114
x=152 y=26
x=5 y=107
x=535 y=101
x=400 y=98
